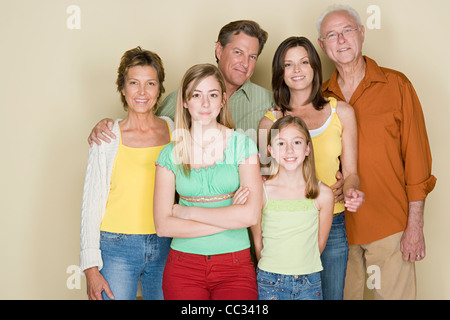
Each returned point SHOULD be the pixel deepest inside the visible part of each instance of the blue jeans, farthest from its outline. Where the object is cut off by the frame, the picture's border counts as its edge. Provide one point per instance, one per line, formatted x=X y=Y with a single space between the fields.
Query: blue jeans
x=274 y=286
x=334 y=260
x=128 y=258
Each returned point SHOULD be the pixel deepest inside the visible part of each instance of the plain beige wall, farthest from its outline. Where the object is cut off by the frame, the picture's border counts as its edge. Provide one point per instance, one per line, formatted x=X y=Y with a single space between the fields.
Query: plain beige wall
x=57 y=82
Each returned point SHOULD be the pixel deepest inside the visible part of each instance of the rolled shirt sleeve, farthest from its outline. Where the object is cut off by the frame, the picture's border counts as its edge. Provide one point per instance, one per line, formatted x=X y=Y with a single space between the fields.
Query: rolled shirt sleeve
x=415 y=148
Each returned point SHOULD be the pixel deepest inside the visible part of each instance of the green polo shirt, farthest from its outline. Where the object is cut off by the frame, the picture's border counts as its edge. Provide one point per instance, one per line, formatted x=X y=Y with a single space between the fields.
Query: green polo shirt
x=248 y=105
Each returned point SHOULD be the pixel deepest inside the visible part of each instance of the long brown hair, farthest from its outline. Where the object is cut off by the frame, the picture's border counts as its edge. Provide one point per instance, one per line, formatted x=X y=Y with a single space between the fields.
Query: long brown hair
x=309 y=168
x=280 y=90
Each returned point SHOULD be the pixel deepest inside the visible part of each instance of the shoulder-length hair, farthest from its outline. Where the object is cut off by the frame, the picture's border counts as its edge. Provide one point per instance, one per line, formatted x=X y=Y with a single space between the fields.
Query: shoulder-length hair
x=281 y=92
x=309 y=168
x=183 y=120
x=139 y=57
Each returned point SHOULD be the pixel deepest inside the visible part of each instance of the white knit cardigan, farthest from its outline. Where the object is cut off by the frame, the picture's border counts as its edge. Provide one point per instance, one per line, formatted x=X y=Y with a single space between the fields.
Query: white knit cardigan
x=95 y=195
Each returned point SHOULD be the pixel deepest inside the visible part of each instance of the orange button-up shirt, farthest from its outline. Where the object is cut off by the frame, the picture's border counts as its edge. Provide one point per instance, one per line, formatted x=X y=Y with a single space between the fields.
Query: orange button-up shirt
x=394 y=158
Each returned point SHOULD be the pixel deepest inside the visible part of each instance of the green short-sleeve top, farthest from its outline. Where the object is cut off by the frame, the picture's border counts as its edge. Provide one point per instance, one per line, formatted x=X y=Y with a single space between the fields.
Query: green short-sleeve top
x=212 y=186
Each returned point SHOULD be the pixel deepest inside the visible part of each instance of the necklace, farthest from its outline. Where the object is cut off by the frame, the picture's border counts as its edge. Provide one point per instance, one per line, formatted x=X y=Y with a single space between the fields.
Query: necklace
x=213 y=138
x=208 y=153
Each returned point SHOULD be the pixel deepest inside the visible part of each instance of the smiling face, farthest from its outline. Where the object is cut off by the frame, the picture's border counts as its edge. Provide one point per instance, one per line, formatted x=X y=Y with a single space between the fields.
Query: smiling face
x=141 y=89
x=237 y=60
x=298 y=73
x=346 y=44
x=289 y=148
x=206 y=101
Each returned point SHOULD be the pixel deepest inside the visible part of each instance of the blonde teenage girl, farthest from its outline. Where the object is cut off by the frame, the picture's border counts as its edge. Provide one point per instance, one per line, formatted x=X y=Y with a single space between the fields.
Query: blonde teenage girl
x=207 y=162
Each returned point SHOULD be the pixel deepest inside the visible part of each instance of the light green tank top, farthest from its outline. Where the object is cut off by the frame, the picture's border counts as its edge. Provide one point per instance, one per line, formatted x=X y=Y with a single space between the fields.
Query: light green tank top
x=290 y=231
x=327 y=144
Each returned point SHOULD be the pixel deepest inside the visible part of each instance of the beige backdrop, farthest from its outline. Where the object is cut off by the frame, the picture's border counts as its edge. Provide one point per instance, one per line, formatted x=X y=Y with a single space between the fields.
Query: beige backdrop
x=57 y=81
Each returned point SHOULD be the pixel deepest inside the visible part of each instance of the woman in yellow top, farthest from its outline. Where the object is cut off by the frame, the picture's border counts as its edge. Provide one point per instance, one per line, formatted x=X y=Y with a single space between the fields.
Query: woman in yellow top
x=297 y=90
x=119 y=245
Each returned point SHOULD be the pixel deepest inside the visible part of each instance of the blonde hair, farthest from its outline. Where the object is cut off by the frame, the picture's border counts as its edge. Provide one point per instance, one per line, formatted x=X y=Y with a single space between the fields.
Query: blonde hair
x=309 y=168
x=183 y=121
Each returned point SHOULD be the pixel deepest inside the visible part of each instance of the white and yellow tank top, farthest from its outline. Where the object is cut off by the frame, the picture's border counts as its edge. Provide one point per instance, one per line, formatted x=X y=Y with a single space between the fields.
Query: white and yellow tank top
x=327 y=144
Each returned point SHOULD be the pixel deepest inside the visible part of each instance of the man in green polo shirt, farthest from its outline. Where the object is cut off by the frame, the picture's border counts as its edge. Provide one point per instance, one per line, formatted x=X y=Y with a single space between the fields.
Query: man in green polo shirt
x=237 y=49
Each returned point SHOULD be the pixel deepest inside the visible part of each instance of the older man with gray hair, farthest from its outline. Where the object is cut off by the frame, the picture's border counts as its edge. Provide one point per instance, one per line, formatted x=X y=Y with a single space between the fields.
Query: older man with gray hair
x=394 y=161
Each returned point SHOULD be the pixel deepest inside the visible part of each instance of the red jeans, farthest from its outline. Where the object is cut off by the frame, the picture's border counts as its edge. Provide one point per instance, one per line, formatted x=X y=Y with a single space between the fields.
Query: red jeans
x=229 y=276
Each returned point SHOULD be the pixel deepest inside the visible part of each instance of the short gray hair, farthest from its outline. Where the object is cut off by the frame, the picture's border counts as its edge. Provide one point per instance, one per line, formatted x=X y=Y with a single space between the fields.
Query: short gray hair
x=335 y=8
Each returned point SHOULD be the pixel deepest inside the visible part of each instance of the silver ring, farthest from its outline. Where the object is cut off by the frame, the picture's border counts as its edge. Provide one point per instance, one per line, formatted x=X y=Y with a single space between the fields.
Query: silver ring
x=418 y=256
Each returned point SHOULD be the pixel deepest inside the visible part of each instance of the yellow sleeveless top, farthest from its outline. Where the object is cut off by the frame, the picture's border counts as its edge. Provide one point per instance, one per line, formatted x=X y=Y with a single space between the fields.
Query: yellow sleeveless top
x=129 y=208
x=327 y=145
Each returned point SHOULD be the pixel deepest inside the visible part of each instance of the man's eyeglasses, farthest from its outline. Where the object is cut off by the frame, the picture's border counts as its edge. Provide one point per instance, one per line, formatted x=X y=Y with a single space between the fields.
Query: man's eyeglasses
x=334 y=36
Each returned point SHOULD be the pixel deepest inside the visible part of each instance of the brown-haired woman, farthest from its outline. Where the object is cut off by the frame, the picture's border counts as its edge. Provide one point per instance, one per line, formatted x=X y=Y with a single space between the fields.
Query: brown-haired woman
x=119 y=245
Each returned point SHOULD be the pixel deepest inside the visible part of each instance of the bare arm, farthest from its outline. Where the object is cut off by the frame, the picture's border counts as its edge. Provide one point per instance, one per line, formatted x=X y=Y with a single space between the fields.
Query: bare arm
x=412 y=243
x=264 y=126
x=165 y=223
x=235 y=216
x=338 y=188
x=257 y=235
x=102 y=131
x=325 y=204
x=257 y=239
x=353 y=197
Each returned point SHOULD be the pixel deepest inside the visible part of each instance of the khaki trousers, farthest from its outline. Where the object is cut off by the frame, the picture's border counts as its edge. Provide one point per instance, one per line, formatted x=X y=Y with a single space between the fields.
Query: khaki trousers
x=379 y=267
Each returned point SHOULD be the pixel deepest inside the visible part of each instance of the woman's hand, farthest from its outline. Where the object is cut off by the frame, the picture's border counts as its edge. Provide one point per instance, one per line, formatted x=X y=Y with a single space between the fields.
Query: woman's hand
x=96 y=283
x=180 y=211
x=241 y=195
x=338 y=188
x=354 y=199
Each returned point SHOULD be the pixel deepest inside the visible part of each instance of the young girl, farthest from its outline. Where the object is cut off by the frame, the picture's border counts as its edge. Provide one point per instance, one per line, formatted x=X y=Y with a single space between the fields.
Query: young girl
x=296 y=218
x=207 y=162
